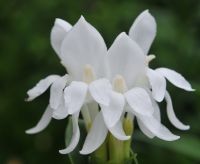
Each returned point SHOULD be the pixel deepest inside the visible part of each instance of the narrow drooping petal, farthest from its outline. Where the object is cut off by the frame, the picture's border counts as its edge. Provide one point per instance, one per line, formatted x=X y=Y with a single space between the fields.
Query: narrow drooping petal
x=143 y=30
x=61 y=112
x=171 y=115
x=100 y=91
x=56 y=91
x=82 y=46
x=96 y=135
x=125 y=58
x=58 y=33
x=43 y=123
x=41 y=87
x=158 y=84
x=144 y=129
x=112 y=113
x=156 y=128
x=118 y=131
x=175 y=78
x=156 y=112
x=75 y=135
x=139 y=101
x=74 y=96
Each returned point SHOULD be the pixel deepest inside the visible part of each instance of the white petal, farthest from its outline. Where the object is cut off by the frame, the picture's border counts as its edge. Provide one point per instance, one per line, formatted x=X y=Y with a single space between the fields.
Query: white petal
x=58 y=33
x=75 y=136
x=83 y=45
x=143 y=30
x=126 y=59
x=113 y=111
x=61 y=112
x=118 y=131
x=144 y=129
x=100 y=91
x=43 y=123
x=139 y=101
x=171 y=115
x=96 y=135
x=156 y=128
x=56 y=91
x=175 y=78
x=74 y=96
x=41 y=87
x=156 y=115
x=158 y=84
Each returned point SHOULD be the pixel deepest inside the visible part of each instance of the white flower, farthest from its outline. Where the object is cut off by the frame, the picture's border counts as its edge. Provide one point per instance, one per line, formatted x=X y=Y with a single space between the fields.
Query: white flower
x=143 y=32
x=82 y=52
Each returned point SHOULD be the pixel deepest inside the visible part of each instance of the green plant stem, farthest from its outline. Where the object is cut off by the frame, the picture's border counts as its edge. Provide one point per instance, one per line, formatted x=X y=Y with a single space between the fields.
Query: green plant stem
x=128 y=128
x=100 y=155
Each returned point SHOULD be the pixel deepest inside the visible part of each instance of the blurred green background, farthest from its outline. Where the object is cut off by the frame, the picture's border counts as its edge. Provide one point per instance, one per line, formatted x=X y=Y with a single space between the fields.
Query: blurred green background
x=26 y=56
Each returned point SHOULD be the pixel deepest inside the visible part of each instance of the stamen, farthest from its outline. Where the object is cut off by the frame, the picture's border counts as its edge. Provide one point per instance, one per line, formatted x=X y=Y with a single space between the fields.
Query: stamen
x=149 y=58
x=88 y=74
x=119 y=84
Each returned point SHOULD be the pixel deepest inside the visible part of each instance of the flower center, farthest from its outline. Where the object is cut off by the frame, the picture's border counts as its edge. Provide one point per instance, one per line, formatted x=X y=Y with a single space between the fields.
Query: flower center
x=149 y=58
x=88 y=74
x=119 y=84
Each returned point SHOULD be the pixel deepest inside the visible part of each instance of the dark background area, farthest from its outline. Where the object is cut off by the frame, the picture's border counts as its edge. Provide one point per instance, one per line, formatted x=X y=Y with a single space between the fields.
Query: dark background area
x=26 y=57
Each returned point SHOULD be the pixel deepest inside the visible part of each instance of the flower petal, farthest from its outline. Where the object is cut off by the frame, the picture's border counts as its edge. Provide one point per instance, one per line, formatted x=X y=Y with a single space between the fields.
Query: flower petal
x=143 y=30
x=100 y=91
x=41 y=87
x=156 y=128
x=114 y=110
x=74 y=96
x=83 y=46
x=126 y=59
x=56 y=91
x=75 y=136
x=43 y=123
x=144 y=129
x=118 y=131
x=175 y=78
x=171 y=115
x=58 y=33
x=139 y=101
x=61 y=112
x=96 y=135
x=158 y=84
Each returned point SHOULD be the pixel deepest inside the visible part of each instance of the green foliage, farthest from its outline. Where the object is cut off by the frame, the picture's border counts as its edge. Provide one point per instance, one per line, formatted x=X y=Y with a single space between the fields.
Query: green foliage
x=26 y=56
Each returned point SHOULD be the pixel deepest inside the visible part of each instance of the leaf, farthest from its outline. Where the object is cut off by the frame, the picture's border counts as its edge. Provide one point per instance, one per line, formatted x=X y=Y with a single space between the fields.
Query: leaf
x=188 y=145
x=75 y=157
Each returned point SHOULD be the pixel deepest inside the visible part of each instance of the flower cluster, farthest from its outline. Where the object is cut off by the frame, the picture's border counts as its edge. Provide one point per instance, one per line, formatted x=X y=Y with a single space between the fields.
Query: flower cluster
x=105 y=85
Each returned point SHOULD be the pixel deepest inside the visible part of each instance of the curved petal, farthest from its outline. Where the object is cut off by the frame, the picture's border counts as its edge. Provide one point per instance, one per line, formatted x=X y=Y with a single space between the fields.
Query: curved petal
x=61 y=112
x=175 y=78
x=100 y=91
x=143 y=30
x=156 y=128
x=43 y=123
x=118 y=131
x=74 y=96
x=58 y=33
x=41 y=87
x=56 y=91
x=75 y=136
x=171 y=115
x=126 y=58
x=158 y=84
x=112 y=113
x=96 y=135
x=139 y=101
x=83 y=46
x=144 y=129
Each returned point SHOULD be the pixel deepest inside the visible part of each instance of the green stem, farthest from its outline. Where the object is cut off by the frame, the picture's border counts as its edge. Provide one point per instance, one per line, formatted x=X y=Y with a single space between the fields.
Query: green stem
x=128 y=128
x=100 y=155
x=115 y=150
